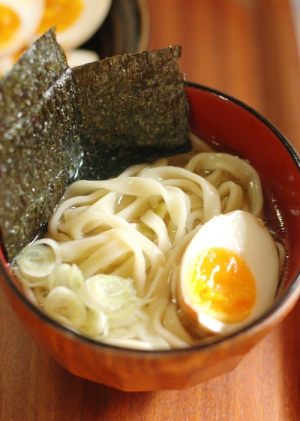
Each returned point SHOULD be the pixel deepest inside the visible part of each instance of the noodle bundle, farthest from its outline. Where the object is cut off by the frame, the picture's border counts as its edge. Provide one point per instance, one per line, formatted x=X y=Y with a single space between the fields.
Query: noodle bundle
x=126 y=236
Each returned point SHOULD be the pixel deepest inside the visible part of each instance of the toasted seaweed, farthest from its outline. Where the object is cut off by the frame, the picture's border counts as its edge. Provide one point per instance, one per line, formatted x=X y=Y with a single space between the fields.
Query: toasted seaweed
x=133 y=108
x=39 y=141
x=59 y=124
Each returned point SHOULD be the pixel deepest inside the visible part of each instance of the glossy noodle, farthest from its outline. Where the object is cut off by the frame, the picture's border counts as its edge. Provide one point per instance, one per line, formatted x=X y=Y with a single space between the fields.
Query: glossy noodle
x=118 y=244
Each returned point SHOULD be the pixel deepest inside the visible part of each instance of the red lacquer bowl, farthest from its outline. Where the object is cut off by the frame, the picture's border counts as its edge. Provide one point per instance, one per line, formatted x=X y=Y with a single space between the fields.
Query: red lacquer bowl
x=220 y=119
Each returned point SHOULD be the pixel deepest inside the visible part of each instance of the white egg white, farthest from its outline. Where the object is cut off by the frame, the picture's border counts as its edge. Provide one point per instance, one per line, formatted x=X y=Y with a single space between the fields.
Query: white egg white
x=92 y=16
x=80 y=56
x=30 y=13
x=246 y=235
x=6 y=63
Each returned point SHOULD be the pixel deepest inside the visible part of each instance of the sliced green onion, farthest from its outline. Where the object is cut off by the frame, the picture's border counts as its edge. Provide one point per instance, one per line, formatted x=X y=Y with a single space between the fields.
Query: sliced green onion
x=65 y=306
x=66 y=275
x=107 y=292
x=116 y=297
x=129 y=329
x=96 y=323
x=144 y=229
x=36 y=261
x=28 y=282
x=161 y=210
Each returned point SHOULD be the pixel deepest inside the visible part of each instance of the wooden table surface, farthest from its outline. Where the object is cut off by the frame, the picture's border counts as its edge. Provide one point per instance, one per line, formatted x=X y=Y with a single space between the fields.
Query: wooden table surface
x=246 y=48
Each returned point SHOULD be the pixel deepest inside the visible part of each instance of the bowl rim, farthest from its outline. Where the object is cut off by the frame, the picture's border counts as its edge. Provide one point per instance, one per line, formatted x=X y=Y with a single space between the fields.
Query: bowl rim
x=290 y=148
x=218 y=341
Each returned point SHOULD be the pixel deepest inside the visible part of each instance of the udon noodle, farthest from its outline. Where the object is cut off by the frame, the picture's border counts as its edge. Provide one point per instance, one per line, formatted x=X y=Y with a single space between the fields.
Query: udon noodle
x=133 y=229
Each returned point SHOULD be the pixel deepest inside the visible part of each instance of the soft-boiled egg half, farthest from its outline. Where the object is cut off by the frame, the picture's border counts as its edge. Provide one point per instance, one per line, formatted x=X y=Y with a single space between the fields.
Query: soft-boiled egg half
x=18 y=22
x=75 y=20
x=22 y=21
x=229 y=273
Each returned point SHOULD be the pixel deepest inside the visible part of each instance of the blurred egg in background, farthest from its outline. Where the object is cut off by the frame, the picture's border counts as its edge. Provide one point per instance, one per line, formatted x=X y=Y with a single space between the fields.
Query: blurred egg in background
x=76 y=20
x=19 y=19
x=22 y=21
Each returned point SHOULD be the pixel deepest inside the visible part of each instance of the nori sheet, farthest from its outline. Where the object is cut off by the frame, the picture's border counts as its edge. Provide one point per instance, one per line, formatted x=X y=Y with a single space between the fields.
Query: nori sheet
x=40 y=147
x=58 y=124
x=133 y=108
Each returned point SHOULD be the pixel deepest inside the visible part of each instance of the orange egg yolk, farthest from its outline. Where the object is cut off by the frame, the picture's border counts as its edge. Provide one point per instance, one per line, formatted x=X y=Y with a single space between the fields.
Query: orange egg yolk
x=9 y=25
x=221 y=283
x=60 y=13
